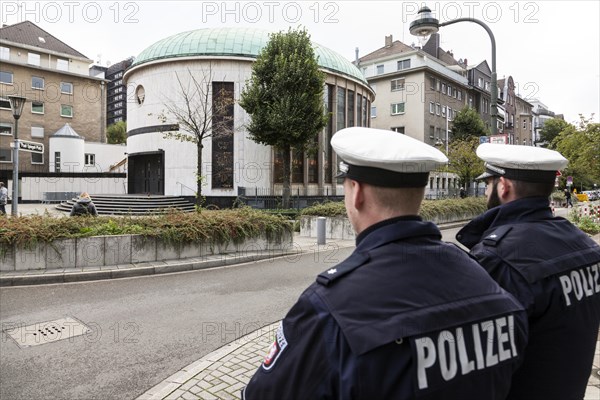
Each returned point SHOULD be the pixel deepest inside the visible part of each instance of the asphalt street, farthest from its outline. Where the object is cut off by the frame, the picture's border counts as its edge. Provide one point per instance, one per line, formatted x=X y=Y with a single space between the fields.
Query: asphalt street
x=145 y=329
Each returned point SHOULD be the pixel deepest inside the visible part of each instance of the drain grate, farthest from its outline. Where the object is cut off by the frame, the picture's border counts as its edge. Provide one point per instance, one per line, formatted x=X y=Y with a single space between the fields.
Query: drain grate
x=46 y=332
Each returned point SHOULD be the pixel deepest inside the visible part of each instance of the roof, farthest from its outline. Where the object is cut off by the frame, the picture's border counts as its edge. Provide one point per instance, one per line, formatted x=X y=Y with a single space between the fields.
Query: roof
x=67 y=131
x=235 y=42
x=397 y=47
x=29 y=34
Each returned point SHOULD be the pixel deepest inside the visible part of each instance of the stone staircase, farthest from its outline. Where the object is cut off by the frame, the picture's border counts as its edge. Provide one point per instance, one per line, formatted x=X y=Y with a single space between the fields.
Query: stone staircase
x=132 y=204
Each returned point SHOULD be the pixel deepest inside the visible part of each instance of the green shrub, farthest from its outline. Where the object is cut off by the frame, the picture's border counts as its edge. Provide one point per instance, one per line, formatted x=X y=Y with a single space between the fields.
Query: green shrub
x=174 y=227
x=430 y=209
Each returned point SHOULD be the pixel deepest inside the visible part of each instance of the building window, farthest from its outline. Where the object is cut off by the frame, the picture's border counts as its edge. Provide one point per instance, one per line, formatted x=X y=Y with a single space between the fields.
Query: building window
x=438 y=108
x=140 y=94
x=350 y=108
x=6 y=128
x=373 y=112
x=37 y=132
x=37 y=83
x=5 y=155
x=90 y=160
x=449 y=114
x=438 y=85
x=37 y=107
x=66 y=111
x=431 y=107
x=524 y=124
x=66 y=87
x=57 y=161
x=380 y=69
x=397 y=108
x=6 y=77
x=431 y=131
x=449 y=93
x=37 y=158
x=4 y=53
x=444 y=111
x=403 y=64
x=443 y=88
x=397 y=84
x=5 y=104
x=487 y=86
x=431 y=83
x=341 y=108
x=62 y=65
x=33 y=59
x=359 y=108
x=399 y=129
x=459 y=95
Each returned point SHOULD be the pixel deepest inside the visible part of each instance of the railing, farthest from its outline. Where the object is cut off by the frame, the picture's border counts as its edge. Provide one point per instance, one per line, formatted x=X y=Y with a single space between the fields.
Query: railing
x=185 y=186
x=300 y=197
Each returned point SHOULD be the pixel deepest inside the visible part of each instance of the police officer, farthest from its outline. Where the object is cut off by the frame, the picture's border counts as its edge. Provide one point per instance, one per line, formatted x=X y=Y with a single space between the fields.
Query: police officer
x=406 y=316
x=547 y=263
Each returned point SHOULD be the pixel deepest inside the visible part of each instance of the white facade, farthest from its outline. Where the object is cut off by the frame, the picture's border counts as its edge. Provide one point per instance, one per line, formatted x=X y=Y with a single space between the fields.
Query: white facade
x=252 y=161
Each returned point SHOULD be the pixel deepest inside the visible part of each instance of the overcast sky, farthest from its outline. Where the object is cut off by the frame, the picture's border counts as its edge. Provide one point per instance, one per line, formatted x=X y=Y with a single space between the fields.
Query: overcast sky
x=550 y=48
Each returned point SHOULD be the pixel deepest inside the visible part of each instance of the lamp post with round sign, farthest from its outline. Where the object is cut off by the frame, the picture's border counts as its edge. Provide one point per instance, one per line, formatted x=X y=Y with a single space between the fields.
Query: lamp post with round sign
x=16 y=105
x=426 y=24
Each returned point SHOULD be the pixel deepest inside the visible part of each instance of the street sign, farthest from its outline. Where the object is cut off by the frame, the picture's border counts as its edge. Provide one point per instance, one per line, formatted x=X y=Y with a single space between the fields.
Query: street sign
x=32 y=147
x=484 y=139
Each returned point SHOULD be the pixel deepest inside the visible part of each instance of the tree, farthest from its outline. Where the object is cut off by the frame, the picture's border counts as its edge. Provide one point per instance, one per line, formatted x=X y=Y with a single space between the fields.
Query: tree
x=467 y=123
x=581 y=146
x=551 y=129
x=463 y=160
x=117 y=133
x=201 y=110
x=284 y=97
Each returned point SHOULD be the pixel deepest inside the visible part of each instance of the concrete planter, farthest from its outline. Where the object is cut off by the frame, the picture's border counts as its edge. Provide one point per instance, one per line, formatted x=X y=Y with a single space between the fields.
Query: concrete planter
x=101 y=251
x=340 y=227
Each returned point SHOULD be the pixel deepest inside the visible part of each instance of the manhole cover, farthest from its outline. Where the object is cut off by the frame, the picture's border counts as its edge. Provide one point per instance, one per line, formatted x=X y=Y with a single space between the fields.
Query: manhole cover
x=46 y=332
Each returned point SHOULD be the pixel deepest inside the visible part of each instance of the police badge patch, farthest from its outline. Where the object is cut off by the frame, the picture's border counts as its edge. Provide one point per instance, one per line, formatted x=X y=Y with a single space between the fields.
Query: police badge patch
x=276 y=349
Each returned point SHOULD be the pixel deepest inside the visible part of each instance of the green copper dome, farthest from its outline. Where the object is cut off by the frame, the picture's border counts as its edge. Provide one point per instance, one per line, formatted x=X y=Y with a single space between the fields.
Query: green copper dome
x=234 y=42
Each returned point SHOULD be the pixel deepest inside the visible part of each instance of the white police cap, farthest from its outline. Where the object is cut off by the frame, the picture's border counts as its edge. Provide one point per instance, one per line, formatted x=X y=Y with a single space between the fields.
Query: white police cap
x=385 y=158
x=522 y=163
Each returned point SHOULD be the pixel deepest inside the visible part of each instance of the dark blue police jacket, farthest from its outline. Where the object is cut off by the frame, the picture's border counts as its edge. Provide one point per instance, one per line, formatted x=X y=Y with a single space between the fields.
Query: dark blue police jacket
x=406 y=316
x=552 y=268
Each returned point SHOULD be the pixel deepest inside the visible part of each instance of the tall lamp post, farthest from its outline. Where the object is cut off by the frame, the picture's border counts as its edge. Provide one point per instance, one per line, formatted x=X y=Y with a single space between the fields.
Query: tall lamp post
x=426 y=24
x=16 y=105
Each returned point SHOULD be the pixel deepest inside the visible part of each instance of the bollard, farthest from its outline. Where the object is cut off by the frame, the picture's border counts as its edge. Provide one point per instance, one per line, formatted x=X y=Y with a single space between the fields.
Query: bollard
x=321 y=230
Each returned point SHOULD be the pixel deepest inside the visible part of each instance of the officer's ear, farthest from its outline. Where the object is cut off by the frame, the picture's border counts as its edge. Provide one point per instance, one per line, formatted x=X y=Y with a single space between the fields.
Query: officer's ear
x=357 y=193
x=506 y=190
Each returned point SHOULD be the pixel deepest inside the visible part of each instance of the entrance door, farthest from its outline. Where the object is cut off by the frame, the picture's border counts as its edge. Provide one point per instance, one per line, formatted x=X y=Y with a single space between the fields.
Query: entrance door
x=146 y=174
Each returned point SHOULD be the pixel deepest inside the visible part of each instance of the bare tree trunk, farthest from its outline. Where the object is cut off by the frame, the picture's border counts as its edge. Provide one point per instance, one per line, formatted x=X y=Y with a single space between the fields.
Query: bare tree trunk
x=199 y=177
x=287 y=176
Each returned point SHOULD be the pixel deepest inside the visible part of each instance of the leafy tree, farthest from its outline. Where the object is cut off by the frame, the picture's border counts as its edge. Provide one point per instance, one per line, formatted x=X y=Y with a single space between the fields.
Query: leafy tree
x=467 y=123
x=581 y=146
x=551 y=129
x=117 y=133
x=463 y=160
x=284 y=97
x=200 y=114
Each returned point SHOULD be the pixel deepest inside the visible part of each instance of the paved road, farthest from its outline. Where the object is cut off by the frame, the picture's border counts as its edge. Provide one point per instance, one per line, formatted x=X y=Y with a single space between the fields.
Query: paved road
x=144 y=329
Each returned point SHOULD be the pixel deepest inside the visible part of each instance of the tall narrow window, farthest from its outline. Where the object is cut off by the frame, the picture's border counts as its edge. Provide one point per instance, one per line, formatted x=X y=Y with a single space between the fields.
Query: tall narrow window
x=222 y=134
x=350 y=108
x=89 y=159
x=4 y=53
x=359 y=110
x=57 y=161
x=341 y=108
x=329 y=98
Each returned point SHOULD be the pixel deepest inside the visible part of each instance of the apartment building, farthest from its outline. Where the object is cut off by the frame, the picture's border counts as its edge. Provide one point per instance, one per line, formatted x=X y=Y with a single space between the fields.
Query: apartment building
x=56 y=80
x=116 y=101
x=416 y=93
x=523 y=122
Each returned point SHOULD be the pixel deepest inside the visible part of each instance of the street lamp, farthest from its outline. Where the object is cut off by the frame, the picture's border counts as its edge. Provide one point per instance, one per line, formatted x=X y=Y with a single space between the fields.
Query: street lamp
x=16 y=105
x=427 y=24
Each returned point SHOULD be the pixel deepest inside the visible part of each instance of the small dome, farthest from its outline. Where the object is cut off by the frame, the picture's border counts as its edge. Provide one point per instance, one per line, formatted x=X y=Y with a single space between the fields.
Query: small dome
x=235 y=42
x=67 y=131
